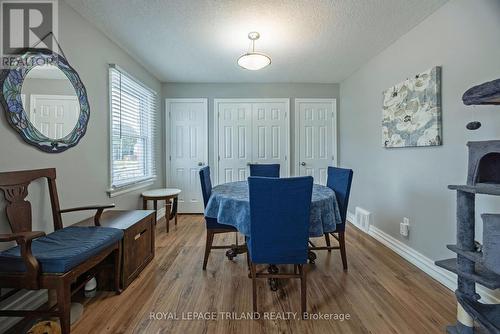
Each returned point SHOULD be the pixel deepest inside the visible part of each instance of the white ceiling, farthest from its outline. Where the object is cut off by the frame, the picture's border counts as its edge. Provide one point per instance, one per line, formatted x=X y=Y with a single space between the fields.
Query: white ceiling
x=309 y=41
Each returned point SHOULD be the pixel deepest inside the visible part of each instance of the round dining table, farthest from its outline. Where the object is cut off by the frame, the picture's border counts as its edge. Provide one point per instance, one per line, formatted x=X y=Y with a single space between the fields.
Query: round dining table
x=230 y=204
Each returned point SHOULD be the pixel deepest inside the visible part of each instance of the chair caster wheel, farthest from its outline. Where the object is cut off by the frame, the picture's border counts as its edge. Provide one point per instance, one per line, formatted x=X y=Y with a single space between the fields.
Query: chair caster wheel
x=273 y=284
x=272 y=269
x=311 y=257
x=231 y=254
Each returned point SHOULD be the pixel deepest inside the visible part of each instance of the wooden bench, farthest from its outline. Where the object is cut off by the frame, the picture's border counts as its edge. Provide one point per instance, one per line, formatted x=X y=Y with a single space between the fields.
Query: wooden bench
x=37 y=262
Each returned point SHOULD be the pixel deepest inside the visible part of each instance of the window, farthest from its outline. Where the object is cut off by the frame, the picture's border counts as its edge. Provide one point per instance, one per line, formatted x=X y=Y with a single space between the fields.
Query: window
x=133 y=109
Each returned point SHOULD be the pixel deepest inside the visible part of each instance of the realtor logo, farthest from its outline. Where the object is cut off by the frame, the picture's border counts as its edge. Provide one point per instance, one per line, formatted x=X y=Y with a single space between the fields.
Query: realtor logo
x=27 y=24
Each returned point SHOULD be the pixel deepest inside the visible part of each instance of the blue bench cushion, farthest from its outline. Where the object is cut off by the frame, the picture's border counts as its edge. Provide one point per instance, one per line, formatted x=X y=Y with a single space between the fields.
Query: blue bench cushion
x=62 y=250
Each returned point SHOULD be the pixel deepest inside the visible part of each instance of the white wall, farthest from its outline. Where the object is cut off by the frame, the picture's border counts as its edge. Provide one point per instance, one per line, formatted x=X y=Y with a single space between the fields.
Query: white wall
x=82 y=172
x=463 y=38
x=250 y=90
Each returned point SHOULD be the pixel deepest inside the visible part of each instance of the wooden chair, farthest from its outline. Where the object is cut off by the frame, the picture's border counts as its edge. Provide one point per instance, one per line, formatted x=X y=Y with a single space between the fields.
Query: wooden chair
x=212 y=225
x=279 y=213
x=339 y=180
x=57 y=260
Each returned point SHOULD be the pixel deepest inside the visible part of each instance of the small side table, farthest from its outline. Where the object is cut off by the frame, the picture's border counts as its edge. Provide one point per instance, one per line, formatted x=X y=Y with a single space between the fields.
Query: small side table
x=169 y=195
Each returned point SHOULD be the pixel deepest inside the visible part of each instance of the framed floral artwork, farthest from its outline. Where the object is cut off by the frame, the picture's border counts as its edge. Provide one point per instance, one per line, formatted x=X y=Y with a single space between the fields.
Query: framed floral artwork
x=412 y=111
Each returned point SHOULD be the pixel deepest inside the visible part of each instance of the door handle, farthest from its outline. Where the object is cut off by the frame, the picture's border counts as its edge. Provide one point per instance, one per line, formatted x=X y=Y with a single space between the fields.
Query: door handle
x=302 y=163
x=249 y=163
x=200 y=163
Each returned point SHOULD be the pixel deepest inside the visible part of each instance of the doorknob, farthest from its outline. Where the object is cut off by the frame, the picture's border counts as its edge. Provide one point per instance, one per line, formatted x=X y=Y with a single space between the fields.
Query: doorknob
x=249 y=163
x=302 y=163
x=200 y=163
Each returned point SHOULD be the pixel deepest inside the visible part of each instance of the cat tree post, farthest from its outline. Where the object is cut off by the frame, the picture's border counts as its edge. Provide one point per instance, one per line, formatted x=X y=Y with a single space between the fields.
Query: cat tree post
x=465 y=241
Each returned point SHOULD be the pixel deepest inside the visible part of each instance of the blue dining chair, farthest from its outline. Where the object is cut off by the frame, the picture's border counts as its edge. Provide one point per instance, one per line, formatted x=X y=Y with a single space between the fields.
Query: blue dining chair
x=279 y=228
x=340 y=180
x=265 y=170
x=213 y=227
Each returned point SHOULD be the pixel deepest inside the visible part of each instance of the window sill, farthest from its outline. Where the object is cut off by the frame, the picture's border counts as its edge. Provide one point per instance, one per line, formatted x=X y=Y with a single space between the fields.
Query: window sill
x=126 y=189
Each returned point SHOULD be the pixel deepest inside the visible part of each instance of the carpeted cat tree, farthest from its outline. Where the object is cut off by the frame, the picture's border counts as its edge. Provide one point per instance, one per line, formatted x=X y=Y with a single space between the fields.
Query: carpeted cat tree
x=476 y=263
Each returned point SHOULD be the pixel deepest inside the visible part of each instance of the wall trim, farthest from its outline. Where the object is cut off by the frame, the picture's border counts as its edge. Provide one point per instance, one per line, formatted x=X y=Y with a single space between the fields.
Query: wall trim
x=445 y=277
x=132 y=187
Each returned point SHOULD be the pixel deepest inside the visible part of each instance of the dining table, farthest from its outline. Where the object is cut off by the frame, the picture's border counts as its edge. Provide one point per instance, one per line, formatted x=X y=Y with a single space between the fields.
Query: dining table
x=229 y=203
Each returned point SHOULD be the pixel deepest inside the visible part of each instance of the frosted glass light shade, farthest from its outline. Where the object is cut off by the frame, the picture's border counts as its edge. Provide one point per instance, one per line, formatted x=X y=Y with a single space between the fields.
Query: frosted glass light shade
x=254 y=61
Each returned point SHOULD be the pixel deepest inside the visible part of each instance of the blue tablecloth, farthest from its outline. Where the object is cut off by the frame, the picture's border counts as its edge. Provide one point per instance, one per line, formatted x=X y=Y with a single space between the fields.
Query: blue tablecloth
x=229 y=203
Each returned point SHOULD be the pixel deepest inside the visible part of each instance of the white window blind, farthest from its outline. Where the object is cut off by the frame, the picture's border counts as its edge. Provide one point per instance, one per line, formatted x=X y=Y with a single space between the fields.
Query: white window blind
x=133 y=109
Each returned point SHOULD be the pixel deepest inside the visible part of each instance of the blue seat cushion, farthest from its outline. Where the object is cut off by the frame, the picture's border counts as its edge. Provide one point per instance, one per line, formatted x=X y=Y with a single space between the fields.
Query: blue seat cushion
x=62 y=250
x=213 y=224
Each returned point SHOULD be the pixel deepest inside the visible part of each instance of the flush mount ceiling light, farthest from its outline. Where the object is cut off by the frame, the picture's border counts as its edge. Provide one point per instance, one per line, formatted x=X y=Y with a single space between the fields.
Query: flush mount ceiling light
x=254 y=61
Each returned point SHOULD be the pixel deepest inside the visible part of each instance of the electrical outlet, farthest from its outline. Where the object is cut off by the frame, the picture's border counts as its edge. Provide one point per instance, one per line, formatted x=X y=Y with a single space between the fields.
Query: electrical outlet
x=404 y=227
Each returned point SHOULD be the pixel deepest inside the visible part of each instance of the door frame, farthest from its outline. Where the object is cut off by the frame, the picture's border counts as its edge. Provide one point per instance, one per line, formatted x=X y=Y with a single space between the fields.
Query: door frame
x=217 y=101
x=333 y=102
x=168 y=102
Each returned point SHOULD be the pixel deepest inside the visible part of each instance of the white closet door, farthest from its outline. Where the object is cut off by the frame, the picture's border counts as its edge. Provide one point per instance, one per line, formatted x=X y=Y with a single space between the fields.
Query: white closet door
x=235 y=141
x=315 y=137
x=270 y=134
x=188 y=132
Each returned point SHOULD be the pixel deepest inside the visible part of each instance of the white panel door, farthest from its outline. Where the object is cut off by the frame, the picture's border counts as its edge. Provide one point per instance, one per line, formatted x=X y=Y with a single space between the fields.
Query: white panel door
x=250 y=131
x=187 y=129
x=316 y=134
x=234 y=141
x=270 y=134
x=54 y=116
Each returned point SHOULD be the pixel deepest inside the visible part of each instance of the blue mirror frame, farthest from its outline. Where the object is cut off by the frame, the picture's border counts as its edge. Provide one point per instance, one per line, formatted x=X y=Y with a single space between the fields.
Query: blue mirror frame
x=11 y=81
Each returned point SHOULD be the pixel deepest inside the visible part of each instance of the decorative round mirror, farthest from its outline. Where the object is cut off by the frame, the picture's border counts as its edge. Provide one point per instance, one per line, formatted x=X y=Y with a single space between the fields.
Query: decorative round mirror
x=45 y=101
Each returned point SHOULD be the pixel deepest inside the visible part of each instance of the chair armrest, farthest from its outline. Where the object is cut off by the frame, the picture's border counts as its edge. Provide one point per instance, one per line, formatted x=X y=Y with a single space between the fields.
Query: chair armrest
x=99 y=208
x=24 y=240
x=88 y=207
x=21 y=236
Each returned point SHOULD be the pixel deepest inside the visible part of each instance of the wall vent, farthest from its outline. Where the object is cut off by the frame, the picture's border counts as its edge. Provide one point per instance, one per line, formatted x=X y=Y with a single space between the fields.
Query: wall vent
x=362 y=218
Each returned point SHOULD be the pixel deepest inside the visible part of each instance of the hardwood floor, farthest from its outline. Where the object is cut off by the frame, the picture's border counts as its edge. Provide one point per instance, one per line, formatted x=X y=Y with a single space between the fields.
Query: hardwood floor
x=381 y=292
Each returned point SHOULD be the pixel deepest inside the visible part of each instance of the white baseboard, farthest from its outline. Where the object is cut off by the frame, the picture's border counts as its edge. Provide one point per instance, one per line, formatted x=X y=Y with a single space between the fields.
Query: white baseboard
x=422 y=262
